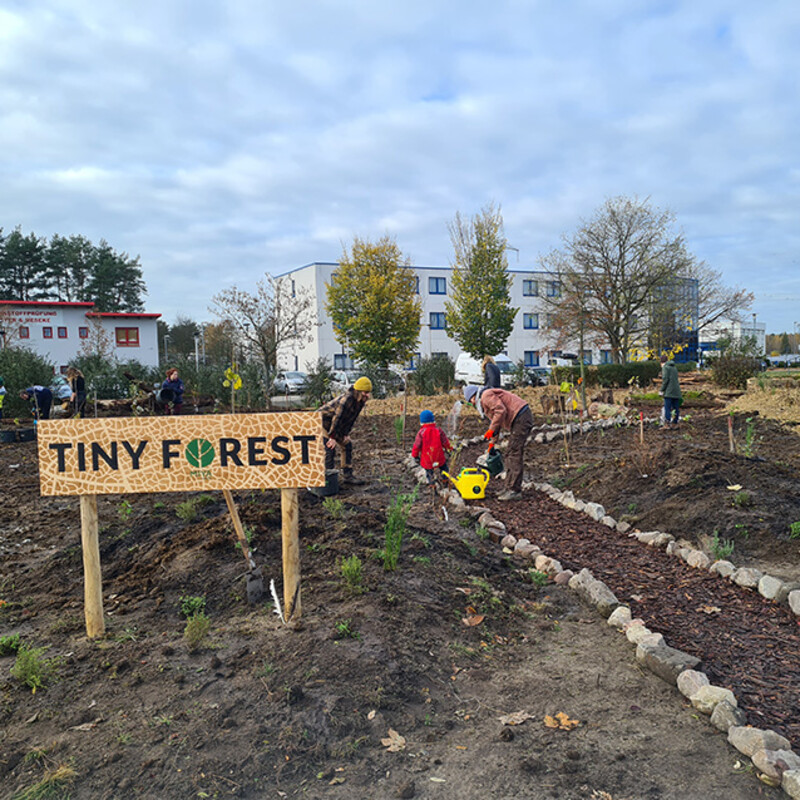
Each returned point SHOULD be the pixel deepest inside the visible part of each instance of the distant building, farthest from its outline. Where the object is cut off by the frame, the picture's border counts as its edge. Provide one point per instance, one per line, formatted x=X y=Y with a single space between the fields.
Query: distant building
x=735 y=332
x=60 y=331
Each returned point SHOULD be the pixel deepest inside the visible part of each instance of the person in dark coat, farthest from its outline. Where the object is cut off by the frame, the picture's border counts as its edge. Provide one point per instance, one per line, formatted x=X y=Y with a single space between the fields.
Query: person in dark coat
x=175 y=385
x=41 y=398
x=671 y=390
x=338 y=417
x=491 y=373
x=78 y=385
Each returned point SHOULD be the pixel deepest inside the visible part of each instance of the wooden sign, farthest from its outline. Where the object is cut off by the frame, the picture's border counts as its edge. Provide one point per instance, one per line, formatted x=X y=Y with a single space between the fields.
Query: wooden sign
x=175 y=454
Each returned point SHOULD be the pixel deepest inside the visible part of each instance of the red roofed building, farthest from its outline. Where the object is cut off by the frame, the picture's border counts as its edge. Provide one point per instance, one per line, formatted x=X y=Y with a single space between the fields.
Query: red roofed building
x=61 y=331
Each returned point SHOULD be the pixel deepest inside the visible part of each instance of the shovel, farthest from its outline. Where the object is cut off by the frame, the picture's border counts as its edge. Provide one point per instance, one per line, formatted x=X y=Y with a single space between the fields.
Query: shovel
x=255 y=582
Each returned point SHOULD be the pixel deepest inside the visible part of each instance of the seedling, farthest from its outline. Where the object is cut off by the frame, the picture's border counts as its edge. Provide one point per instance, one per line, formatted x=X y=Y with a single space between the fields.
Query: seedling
x=32 y=669
x=538 y=578
x=9 y=644
x=351 y=572
x=344 y=630
x=248 y=535
x=721 y=548
x=334 y=507
x=196 y=630
x=482 y=532
x=125 y=510
x=794 y=530
x=395 y=528
x=192 y=604
x=742 y=499
x=187 y=511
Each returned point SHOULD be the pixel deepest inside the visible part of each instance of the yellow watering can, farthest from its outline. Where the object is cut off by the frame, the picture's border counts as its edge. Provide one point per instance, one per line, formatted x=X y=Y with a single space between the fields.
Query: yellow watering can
x=471 y=483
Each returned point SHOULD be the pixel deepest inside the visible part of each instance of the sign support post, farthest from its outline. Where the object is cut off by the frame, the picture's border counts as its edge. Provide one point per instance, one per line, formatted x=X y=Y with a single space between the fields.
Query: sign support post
x=92 y=575
x=290 y=533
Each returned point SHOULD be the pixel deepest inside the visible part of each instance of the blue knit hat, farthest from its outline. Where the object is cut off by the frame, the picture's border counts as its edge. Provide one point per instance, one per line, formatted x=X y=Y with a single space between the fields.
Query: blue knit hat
x=425 y=417
x=469 y=392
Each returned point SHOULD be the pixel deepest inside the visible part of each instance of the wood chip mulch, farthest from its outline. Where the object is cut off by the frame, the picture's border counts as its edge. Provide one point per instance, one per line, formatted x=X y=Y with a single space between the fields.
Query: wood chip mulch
x=746 y=643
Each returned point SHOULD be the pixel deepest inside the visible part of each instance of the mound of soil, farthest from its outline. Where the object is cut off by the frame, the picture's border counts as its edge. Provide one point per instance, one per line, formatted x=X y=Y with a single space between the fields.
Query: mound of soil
x=394 y=686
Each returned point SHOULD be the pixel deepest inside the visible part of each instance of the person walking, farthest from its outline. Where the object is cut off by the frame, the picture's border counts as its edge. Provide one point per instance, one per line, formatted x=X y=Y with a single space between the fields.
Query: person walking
x=2 y=396
x=507 y=412
x=338 y=417
x=491 y=373
x=78 y=385
x=41 y=397
x=175 y=385
x=671 y=391
x=431 y=446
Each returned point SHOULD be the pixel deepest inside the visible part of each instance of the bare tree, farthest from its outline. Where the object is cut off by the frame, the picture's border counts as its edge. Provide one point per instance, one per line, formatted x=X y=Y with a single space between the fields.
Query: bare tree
x=608 y=272
x=276 y=316
x=716 y=301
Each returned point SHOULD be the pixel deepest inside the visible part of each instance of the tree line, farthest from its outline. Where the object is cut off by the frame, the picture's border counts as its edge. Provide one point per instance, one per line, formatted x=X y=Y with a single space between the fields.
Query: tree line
x=69 y=269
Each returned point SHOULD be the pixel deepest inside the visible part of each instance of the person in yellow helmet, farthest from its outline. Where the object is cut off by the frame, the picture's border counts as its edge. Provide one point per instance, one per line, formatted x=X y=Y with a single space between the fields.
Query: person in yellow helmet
x=338 y=417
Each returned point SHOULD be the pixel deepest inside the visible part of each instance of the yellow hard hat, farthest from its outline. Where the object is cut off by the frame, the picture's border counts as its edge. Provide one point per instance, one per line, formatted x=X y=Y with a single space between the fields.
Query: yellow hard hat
x=363 y=384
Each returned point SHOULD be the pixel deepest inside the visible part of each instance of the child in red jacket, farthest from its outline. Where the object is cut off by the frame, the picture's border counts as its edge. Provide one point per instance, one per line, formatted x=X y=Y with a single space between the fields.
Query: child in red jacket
x=431 y=446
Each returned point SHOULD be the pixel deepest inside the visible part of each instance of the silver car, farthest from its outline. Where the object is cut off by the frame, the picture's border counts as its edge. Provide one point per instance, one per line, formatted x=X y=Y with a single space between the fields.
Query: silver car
x=289 y=383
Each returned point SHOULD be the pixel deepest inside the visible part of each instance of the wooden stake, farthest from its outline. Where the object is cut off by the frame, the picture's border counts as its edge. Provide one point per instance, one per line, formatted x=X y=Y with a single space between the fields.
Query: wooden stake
x=731 y=441
x=641 y=427
x=92 y=575
x=237 y=526
x=290 y=530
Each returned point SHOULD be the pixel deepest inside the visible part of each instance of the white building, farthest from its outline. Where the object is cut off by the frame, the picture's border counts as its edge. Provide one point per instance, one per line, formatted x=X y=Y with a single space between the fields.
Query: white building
x=61 y=331
x=528 y=341
x=736 y=332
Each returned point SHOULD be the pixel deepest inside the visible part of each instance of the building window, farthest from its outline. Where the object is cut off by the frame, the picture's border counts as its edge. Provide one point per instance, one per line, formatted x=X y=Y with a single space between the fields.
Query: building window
x=47 y=332
x=438 y=321
x=83 y=333
x=413 y=362
x=553 y=288
x=605 y=356
x=531 y=358
x=587 y=356
x=293 y=289
x=437 y=285
x=24 y=332
x=530 y=321
x=438 y=355
x=339 y=361
x=62 y=333
x=530 y=288
x=127 y=337
x=416 y=284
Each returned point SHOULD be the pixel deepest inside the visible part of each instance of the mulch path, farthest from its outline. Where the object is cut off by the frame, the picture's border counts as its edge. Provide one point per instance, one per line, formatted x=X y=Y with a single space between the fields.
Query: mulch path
x=747 y=644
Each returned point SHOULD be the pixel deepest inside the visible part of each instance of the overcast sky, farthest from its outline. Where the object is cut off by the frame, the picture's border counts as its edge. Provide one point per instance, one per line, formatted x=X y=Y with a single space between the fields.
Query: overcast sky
x=222 y=140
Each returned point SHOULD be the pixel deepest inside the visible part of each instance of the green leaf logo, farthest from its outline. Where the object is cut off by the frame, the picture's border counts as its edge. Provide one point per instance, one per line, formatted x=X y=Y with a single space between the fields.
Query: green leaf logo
x=199 y=453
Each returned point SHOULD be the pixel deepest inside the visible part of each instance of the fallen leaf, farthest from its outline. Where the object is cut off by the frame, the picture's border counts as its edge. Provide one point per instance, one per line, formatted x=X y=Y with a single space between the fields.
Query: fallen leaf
x=507 y=550
x=735 y=487
x=394 y=742
x=517 y=718
x=561 y=721
x=471 y=620
x=371 y=714
x=438 y=780
x=336 y=780
x=710 y=609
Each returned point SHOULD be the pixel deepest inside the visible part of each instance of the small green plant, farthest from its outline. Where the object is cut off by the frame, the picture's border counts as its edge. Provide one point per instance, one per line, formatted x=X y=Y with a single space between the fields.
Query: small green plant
x=351 y=572
x=32 y=669
x=422 y=559
x=334 y=506
x=344 y=631
x=196 y=630
x=159 y=505
x=741 y=529
x=395 y=528
x=750 y=439
x=465 y=522
x=794 y=530
x=9 y=644
x=248 y=535
x=482 y=532
x=419 y=537
x=721 y=548
x=742 y=499
x=54 y=784
x=187 y=510
x=192 y=604
x=538 y=578
x=125 y=510
x=266 y=670
x=399 y=424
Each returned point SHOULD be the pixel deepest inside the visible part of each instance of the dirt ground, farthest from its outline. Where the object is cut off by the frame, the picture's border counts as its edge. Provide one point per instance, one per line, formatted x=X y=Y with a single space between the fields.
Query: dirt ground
x=261 y=710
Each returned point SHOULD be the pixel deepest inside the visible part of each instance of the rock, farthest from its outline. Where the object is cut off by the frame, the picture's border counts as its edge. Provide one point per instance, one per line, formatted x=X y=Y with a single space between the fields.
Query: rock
x=645 y=537
x=539 y=438
x=769 y=587
x=724 y=716
x=749 y=740
x=596 y=593
x=698 y=559
x=672 y=548
x=620 y=617
x=595 y=511
x=662 y=540
x=723 y=568
x=521 y=543
x=708 y=697
x=785 y=590
x=583 y=577
x=794 y=601
x=690 y=681
x=775 y=762
x=609 y=522
x=623 y=527
x=509 y=541
x=527 y=550
x=455 y=499
x=664 y=661
x=637 y=631
x=791 y=783
x=563 y=578
x=747 y=577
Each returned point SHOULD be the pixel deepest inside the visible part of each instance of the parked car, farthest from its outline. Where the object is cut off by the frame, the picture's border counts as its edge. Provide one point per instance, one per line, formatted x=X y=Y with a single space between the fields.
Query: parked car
x=469 y=370
x=343 y=379
x=538 y=376
x=384 y=382
x=289 y=383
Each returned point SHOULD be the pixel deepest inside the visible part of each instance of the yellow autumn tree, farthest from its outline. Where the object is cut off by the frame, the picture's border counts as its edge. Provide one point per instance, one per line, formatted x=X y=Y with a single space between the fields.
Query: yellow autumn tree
x=373 y=304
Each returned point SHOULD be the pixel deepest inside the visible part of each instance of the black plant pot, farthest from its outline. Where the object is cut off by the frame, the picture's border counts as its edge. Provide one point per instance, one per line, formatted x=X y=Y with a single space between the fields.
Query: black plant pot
x=27 y=434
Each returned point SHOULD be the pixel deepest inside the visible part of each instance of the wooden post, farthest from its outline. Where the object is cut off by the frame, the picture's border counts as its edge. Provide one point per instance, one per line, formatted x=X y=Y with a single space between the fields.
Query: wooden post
x=731 y=440
x=641 y=427
x=292 y=607
x=92 y=576
x=237 y=527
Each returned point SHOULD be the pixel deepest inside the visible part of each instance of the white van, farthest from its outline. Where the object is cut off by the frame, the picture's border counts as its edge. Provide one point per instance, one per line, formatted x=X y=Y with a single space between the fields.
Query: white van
x=469 y=370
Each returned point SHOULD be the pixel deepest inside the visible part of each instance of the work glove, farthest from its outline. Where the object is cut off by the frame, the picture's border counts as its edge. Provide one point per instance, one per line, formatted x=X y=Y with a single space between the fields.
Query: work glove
x=488 y=435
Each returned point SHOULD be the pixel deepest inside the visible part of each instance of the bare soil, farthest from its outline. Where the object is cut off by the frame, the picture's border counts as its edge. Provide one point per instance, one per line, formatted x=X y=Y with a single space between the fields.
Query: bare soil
x=264 y=710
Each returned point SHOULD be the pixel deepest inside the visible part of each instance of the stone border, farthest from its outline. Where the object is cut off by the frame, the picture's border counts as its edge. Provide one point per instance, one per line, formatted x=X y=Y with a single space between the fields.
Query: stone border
x=770 y=752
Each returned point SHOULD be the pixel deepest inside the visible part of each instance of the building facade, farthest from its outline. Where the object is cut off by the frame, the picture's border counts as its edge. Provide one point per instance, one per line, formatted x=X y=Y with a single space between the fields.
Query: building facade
x=531 y=341
x=59 y=332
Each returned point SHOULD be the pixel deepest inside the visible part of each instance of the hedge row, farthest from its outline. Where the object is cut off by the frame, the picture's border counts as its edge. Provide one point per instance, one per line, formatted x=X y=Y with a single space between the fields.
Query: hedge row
x=615 y=375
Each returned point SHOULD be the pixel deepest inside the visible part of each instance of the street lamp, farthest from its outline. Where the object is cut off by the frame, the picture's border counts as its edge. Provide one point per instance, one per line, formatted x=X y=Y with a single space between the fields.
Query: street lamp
x=166 y=349
x=197 y=350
